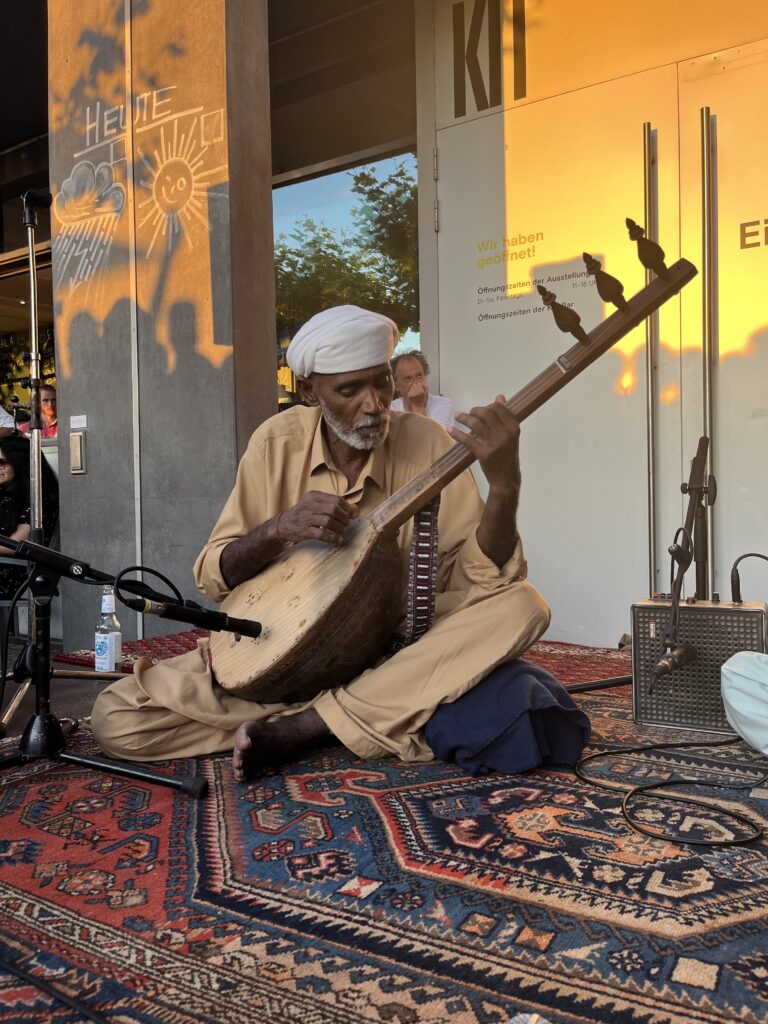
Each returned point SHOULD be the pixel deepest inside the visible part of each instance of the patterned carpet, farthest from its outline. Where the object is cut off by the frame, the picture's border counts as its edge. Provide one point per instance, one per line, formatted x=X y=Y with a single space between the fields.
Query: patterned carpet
x=337 y=891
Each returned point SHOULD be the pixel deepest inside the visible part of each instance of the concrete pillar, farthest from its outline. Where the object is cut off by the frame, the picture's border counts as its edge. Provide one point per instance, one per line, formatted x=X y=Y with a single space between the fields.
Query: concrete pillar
x=163 y=276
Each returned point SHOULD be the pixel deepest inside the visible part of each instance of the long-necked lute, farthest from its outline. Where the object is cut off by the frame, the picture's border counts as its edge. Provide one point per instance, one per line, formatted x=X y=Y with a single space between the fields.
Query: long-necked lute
x=328 y=612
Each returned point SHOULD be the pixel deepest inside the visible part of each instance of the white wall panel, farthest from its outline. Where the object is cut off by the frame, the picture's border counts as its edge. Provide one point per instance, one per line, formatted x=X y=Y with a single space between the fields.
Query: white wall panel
x=522 y=194
x=554 y=168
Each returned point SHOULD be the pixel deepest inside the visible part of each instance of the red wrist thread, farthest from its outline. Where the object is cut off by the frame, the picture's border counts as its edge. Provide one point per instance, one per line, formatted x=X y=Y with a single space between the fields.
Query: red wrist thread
x=277 y=528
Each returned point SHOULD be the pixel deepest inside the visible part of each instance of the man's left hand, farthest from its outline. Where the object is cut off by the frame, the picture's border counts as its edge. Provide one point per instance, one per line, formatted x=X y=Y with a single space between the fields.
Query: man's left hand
x=494 y=438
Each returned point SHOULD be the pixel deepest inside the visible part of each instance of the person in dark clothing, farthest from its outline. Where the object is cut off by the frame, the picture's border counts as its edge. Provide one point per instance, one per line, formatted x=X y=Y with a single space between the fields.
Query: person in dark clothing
x=15 y=506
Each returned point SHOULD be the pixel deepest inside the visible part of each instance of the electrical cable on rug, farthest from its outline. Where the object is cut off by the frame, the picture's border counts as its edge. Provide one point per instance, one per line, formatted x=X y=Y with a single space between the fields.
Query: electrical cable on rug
x=755 y=832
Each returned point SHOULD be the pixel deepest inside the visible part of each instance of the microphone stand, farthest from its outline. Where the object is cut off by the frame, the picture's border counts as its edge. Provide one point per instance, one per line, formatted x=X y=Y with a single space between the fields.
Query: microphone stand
x=34 y=200
x=693 y=548
x=702 y=494
x=44 y=735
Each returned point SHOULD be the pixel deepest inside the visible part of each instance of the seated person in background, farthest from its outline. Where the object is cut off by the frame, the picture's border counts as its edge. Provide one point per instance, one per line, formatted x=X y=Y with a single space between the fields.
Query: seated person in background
x=306 y=475
x=15 y=504
x=48 y=413
x=410 y=371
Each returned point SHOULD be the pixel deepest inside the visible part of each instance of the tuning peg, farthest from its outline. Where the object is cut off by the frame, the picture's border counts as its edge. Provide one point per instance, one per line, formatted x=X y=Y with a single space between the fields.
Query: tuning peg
x=650 y=254
x=610 y=289
x=568 y=320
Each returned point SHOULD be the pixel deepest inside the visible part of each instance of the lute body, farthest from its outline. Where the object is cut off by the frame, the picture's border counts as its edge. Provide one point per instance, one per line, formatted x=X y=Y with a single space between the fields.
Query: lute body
x=328 y=612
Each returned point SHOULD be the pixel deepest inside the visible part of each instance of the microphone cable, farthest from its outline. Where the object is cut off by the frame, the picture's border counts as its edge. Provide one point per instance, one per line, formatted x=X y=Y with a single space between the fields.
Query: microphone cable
x=754 y=831
x=152 y=572
x=735 y=581
x=680 y=555
x=685 y=553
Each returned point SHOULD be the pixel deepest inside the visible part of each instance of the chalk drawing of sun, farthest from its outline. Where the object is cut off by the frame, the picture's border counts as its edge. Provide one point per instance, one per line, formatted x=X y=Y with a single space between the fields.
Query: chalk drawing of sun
x=176 y=186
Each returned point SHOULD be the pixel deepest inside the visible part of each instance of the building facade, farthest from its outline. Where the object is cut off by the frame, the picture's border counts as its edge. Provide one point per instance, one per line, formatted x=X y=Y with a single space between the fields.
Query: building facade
x=539 y=128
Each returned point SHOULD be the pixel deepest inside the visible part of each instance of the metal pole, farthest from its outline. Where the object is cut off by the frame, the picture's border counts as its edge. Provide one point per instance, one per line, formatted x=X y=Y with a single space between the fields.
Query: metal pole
x=708 y=305
x=131 y=209
x=35 y=454
x=651 y=348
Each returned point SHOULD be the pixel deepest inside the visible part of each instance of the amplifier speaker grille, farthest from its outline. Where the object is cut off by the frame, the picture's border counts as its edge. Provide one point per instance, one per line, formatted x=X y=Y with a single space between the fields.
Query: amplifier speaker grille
x=689 y=697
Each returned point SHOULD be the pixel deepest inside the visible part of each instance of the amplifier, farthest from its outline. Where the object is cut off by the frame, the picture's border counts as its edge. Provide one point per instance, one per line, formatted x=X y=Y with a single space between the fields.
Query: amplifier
x=689 y=697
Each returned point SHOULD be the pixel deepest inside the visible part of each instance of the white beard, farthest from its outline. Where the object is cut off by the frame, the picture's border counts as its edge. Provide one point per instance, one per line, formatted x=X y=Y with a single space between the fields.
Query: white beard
x=353 y=436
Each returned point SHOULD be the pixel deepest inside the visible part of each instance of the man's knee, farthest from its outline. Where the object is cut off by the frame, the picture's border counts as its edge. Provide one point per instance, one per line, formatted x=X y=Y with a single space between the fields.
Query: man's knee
x=531 y=611
x=105 y=719
x=115 y=727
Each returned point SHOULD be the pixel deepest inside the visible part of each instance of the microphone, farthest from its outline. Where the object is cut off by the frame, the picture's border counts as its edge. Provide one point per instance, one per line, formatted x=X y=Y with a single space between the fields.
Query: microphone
x=678 y=657
x=39 y=197
x=194 y=616
x=28 y=551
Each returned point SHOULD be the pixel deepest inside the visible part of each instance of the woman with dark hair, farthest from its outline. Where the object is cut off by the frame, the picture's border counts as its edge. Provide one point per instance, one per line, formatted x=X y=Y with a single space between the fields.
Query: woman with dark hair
x=15 y=514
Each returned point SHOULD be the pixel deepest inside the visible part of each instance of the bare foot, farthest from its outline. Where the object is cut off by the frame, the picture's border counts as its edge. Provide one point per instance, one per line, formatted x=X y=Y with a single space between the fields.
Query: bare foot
x=265 y=743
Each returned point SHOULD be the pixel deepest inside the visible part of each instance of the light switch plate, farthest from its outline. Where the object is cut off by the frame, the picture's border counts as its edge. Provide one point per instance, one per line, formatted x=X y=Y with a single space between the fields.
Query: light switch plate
x=77 y=451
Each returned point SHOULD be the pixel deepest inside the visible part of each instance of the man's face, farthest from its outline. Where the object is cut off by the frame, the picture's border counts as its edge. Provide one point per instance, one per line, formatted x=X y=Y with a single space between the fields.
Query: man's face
x=355 y=405
x=48 y=405
x=409 y=377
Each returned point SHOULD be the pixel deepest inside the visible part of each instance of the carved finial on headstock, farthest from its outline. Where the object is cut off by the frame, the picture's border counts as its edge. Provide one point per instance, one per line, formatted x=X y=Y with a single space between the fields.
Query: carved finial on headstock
x=568 y=320
x=610 y=289
x=650 y=254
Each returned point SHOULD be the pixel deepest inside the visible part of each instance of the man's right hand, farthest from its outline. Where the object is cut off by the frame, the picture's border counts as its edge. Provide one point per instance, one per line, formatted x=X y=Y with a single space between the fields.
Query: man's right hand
x=318 y=516
x=416 y=391
x=417 y=396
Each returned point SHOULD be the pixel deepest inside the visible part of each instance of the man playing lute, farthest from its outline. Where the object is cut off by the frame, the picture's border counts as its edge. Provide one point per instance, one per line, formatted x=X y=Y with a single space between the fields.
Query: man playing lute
x=306 y=475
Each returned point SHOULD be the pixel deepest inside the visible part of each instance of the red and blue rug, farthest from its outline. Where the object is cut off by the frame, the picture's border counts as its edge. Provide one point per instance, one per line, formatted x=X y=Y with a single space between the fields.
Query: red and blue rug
x=337 y=890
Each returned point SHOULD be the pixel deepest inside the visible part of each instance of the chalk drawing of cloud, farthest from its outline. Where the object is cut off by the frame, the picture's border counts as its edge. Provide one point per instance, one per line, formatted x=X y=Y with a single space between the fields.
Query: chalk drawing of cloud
x=89 y=192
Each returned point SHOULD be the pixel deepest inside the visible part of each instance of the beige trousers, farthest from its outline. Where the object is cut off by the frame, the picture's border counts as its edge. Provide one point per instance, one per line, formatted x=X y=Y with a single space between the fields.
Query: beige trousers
x=175 y=709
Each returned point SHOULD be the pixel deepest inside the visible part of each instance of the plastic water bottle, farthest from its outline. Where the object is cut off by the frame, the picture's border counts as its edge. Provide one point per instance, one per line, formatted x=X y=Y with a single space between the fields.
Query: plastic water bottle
x=109 y=640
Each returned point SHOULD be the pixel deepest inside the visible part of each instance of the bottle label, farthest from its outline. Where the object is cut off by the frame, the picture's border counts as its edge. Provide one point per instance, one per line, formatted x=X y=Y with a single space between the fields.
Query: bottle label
x=108 y=651
x=107 y=604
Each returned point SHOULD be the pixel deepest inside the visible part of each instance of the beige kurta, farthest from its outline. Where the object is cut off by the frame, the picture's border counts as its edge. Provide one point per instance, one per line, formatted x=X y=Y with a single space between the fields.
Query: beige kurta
x=484 y=615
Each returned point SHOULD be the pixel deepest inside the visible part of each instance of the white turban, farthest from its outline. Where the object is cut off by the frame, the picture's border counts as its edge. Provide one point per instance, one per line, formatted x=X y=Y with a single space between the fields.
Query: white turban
x=341 y=339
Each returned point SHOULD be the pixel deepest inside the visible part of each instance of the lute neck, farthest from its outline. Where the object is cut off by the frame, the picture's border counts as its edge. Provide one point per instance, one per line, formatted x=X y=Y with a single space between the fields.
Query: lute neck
x=404 y=503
